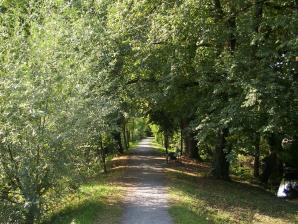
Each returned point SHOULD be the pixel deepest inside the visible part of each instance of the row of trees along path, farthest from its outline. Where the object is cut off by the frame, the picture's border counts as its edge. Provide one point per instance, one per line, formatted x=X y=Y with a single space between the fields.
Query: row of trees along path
x=219 y=78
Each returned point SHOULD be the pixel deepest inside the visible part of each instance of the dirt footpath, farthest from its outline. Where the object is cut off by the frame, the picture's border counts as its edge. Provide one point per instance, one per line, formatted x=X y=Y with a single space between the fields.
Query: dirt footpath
x=146 y=200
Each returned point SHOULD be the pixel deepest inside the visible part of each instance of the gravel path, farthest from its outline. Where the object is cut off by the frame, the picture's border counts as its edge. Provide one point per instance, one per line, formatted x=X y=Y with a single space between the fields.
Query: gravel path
x=146 y=199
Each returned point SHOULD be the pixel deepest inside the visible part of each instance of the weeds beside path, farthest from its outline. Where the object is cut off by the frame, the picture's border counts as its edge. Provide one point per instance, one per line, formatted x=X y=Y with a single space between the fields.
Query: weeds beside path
x=99 y=200
x=96 y=202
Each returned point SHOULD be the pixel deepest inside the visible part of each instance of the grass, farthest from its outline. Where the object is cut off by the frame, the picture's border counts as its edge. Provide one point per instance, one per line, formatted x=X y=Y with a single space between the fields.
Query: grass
x=96 y=202
x=196 y=198
x=133 y=145
x=199 y=199
x=159 y=148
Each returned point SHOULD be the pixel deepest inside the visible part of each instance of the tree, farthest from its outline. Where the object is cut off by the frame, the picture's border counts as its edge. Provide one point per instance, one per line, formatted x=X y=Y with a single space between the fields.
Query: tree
x=55 y=58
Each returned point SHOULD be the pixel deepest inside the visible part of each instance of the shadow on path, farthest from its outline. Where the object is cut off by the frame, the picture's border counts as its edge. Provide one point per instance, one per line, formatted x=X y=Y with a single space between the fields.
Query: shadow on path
x=146 y=199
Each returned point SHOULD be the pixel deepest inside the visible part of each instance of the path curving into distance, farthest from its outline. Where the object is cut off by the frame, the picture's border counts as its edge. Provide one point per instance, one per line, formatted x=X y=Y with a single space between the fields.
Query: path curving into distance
x=146 y=201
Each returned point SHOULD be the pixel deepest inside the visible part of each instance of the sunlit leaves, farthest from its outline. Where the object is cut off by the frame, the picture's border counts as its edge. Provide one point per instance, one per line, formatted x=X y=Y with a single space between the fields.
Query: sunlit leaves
x=57 y=62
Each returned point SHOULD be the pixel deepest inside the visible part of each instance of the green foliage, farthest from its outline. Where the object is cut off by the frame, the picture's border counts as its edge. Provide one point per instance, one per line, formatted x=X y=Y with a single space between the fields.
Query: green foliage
x=56 y=118
x=204 y=66
x=95 y=200
x=74 y=76
x=158 y=136
x=138 y=128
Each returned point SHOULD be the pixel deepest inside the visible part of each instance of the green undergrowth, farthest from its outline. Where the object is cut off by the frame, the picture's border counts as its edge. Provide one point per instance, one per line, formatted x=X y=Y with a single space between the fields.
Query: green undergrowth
x=96 y=202
x=133 y=145
x=159 y=148
x=199 y=199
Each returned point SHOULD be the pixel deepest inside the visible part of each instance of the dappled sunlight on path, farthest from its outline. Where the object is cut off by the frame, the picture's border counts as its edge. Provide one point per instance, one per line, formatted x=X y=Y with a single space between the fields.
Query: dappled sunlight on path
x=146 y=201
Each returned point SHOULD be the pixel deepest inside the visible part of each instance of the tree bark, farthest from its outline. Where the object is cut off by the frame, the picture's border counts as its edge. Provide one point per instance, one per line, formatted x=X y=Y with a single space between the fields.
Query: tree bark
x=232 y=37
x=127 y=135
x=258 y=15
x=132 y=131
x=117 y=137
x=166 y=141
x=257 y=156
x=124 y=135
x=221 y=166
x=32 y=213
x=190 y=143
x=166 y=144
x=272 y=165
x=181 y=140
x=30 y=217
x=103 y=156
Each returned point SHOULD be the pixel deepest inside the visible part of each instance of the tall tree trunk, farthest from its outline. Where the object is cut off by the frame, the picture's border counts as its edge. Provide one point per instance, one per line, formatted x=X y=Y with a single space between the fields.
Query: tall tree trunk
x=221 y=166
x=124 y=135
x=191 y=148
x=272 y=165
x=257 y=19
x=30 y=216
x=103 y=156
x=257 y=156
x=166 y=144
x=32 y=213
x=100 y=150
x=117 y=137
x=127 y=135
x=190 y=142
x=166 y=141
x=181 y=140
x=258 y=14
x=133 y=129
x=232 y=28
